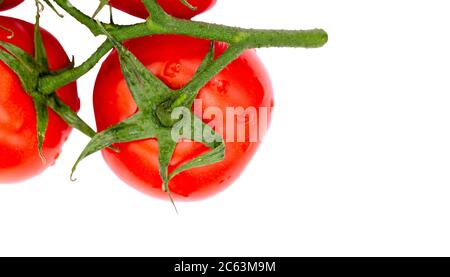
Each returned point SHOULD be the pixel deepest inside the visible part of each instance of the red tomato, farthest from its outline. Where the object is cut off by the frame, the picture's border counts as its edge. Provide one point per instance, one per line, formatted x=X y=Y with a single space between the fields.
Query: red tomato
x=19 y=157
x=175 y=59
x=172 y=7
x=8 y=4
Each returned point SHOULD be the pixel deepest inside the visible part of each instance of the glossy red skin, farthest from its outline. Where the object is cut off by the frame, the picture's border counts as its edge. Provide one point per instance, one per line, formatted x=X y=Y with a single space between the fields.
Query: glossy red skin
x=19 y=158
x=172 y=7
x=175 y=59
x=9 y=4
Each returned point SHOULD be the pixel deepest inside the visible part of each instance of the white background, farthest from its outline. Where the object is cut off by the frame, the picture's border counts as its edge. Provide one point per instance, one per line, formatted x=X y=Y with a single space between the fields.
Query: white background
x=357 y=161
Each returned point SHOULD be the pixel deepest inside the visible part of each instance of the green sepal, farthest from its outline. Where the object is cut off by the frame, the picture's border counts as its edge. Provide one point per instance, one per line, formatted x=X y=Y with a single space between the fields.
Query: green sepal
x=21 y=63
x=41 y=109
x=147 y=90
x=29 y=69
x=149 y=93
x=209 y=58
x=166 y=148
x=187 y=98
x=40 y=54
x=53 y=8
x=11 y=33
x=69 y=116
x=40 y=102
x=25 y=59
x=189 y=5
x=209 y=138
x=100 y=7
x=128 y=130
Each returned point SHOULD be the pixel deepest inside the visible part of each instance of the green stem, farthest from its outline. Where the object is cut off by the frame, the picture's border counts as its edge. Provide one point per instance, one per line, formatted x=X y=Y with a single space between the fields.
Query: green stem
x=187 y=4
x=155 y=109
x=189 y=92
x=185 y=97
x=48 y=84
x=161 y=23
x=254 y=38
x=8 y=30
x=84 y=19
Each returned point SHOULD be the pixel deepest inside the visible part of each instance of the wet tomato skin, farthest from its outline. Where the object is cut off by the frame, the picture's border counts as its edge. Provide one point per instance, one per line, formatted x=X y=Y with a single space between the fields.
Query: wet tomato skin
x=172 y=7
x=175 y=59
x=19 y=158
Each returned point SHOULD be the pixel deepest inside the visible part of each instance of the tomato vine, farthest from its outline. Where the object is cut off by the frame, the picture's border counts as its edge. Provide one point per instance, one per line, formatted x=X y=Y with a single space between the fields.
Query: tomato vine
x=153 y=120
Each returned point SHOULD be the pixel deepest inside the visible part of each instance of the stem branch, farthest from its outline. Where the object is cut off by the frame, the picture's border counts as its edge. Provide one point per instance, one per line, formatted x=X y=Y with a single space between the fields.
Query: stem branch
x=161 y=23
x=79 y=15
x=48 y=84
x=190 y=91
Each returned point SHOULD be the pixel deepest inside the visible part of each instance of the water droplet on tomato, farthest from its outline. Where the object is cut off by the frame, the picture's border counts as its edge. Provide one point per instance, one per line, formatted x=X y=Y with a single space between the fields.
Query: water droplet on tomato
x=172 y=69
x=221 y=86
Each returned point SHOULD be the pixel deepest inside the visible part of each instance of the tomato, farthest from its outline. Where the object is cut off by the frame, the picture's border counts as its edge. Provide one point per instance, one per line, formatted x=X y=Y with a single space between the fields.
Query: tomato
x=175 y=59
x=8 y=4
x=19 y=157
x=172 y=7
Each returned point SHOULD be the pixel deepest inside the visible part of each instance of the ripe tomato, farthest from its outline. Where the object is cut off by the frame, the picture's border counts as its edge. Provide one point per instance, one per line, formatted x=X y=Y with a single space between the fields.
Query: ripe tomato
x=175 y=59
x=172 y=7
x=19 y=157
x=8 y=4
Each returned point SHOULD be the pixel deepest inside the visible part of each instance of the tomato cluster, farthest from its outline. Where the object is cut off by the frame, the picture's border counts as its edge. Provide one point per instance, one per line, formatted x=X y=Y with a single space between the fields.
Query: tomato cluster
x=173 y=59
